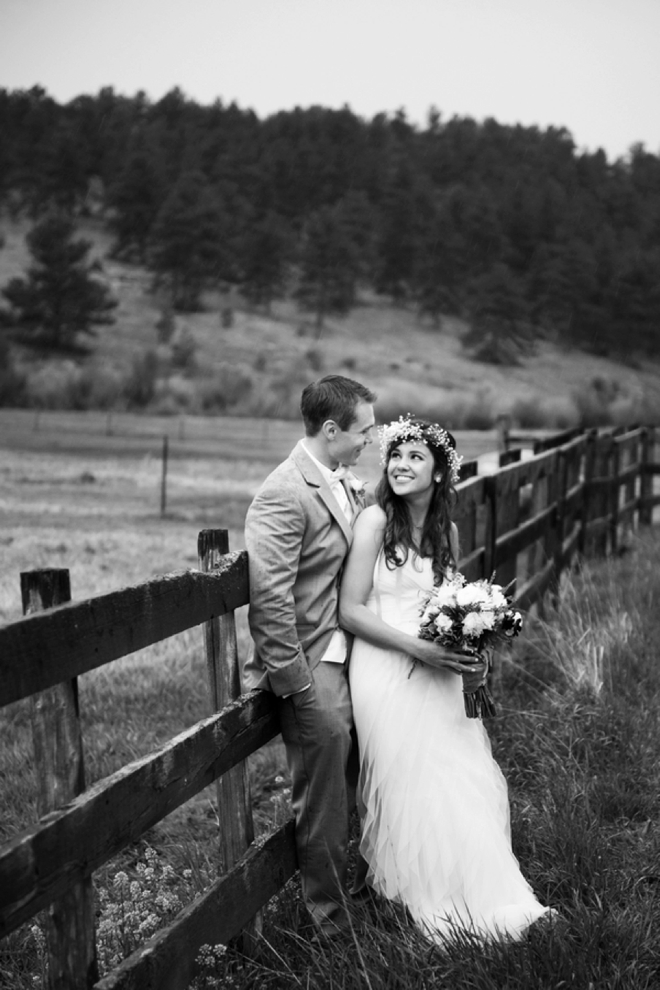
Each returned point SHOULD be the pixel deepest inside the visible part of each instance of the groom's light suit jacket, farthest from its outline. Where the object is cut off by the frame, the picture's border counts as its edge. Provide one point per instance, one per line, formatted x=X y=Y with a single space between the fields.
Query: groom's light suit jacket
x=297 y=538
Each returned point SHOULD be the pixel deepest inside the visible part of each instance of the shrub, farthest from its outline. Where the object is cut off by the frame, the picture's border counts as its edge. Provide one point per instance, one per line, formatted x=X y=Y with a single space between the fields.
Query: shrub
x=230 y=386
x=184 y=351
x=481 y=414
x=605 y=402
x=140 y=385
x=315 y=359
x=166 y=325
x=534 y=413
x=98 y=388
x=13 y=383
x=54 y=385
x=174 y=395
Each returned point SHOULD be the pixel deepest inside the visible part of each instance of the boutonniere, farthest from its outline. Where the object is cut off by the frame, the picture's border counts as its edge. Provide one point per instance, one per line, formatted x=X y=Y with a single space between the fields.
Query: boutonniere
x=358 y=487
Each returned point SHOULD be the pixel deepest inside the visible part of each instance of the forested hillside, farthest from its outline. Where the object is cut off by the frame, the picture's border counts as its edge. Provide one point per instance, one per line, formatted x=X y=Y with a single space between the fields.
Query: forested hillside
x=512 y=227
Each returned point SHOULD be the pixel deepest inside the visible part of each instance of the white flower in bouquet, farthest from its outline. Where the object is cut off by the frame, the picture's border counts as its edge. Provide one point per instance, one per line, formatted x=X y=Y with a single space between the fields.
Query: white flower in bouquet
x=472 y=594
x=445 y=595
x=498 y=599
x=443 y=622
x=475 y=624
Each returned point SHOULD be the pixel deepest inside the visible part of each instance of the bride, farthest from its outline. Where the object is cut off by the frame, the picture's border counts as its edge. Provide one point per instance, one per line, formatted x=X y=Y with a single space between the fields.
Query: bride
x=433 y=802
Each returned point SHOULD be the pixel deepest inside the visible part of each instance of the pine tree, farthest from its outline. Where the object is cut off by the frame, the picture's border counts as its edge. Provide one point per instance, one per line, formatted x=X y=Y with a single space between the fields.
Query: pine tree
x=438 y=266
x=329 y=266
x=500 y=331
x=404 y=208
x=187 y=247
x=136 y=198
x=61 y=298
x=265 y=255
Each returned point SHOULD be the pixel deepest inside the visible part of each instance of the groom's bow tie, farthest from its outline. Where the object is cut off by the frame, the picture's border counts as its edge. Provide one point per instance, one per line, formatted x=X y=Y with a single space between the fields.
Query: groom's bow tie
x=338 y=475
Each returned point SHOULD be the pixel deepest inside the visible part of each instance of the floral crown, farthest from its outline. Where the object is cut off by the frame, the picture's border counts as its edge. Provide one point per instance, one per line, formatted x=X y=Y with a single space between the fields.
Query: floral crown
x=404 y=430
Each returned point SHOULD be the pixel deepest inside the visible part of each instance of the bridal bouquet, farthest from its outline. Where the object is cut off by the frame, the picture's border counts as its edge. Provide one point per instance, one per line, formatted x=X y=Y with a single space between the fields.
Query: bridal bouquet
x=470 y=617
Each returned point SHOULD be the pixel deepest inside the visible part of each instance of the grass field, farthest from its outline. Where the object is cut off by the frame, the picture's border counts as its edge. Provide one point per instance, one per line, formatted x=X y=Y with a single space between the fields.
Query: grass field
x=84 y=490
x=577 y=738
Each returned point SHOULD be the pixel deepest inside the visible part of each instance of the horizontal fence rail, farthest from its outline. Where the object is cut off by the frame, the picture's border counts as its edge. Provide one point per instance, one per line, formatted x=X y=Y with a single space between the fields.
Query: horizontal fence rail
x=48 y=647
x=72 y=842
x=580 y=492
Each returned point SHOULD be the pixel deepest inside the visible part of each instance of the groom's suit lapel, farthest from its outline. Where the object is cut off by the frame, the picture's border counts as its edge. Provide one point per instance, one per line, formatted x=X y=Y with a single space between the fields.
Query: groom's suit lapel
x=315 y=480
x=356 y=504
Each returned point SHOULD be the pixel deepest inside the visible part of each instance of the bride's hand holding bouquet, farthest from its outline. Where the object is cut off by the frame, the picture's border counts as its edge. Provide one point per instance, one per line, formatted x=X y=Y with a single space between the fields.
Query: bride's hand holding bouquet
x=435 y=654
x=470 y=618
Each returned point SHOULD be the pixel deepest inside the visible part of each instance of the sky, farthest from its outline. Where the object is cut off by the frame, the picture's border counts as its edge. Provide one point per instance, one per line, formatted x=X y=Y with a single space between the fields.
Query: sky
x=591 y=66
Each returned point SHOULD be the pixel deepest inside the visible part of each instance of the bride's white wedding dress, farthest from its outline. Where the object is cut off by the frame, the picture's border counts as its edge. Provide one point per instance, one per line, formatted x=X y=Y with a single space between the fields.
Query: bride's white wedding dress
x=433 y=802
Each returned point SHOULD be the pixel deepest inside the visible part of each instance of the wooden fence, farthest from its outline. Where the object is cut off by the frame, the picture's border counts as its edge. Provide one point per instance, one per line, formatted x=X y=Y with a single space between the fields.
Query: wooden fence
x=578 y=493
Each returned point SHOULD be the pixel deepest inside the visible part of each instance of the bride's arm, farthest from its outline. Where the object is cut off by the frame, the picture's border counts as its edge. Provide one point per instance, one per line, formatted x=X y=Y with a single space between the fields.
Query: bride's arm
x=357 y=581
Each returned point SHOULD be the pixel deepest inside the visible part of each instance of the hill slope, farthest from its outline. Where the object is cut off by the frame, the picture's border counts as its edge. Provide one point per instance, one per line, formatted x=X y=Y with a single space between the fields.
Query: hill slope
x=257 y=365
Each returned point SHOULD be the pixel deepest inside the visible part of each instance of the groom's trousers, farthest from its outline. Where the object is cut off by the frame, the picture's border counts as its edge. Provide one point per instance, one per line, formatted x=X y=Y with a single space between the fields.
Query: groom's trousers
x=316 y=728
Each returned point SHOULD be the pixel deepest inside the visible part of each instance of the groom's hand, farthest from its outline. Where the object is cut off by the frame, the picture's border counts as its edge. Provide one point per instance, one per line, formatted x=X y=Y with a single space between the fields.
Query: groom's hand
x=297 y=694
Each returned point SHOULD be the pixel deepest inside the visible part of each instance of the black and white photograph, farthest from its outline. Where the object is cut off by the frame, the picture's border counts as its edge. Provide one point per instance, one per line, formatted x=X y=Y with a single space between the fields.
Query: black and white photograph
x=329 y=478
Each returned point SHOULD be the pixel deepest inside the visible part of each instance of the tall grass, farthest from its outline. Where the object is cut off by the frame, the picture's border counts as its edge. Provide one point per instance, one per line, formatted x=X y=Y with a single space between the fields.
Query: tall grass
x=577 y=738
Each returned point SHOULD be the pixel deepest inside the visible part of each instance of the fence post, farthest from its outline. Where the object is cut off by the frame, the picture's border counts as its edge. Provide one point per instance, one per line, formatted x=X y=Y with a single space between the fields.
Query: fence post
x=163 y=477
x=490 y=524
x=646 y=477
x=613 y=471
x=506 y=511
x=589 y=498
x=69 y=921
x=557 y=488
x=233 y=789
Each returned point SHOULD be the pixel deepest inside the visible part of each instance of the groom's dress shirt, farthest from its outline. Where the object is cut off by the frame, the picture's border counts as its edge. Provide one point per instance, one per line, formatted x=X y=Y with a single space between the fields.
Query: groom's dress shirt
x=334 y=479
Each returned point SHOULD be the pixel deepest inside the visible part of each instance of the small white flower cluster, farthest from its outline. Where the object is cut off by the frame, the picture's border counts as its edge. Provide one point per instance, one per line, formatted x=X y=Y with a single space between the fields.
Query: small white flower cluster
x=132 y=910
x=404 y=430
x=211 y=961
x=356 y=484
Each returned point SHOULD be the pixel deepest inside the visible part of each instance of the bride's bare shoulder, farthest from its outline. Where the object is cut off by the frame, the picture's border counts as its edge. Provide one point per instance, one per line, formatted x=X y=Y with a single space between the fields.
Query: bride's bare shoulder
x=372 y=519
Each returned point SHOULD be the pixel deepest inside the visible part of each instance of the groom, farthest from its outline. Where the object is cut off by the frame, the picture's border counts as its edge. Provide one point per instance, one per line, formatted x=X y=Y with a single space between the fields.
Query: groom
x=298 y=532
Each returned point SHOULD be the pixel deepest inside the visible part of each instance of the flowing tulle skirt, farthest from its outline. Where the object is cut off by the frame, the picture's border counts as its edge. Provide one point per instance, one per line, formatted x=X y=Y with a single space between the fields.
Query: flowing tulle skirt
x=434 y=805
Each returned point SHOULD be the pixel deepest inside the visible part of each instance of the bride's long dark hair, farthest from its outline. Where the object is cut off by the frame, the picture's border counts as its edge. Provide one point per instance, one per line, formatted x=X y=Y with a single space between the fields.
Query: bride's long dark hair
x=435 y=542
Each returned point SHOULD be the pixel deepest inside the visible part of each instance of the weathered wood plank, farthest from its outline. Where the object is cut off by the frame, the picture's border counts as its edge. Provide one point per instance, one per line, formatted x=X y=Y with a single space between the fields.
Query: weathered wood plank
x=570 y=545
x=470 y=492
x=535 y=588
x=64 y=642
x=68 y=924
x=472 y=565
x=514 y=476
x=469 y=469
x=626 y=475
x=627 y=513
x=557 y=440
x=236 y=830
x=516 y=540
x=573 y=498
x=630 y=438
x=44 y=860
x=167 y=961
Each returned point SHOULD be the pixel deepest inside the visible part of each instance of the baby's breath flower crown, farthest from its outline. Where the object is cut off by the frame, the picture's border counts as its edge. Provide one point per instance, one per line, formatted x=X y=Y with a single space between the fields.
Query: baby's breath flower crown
x=405 y=430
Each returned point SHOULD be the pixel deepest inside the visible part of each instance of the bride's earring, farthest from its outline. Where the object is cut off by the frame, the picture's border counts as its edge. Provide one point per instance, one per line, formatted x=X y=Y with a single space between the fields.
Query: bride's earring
x=437 y=479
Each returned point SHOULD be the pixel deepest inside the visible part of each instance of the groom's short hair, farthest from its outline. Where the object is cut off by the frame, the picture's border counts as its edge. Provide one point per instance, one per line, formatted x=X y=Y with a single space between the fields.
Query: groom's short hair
x=333 y=397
